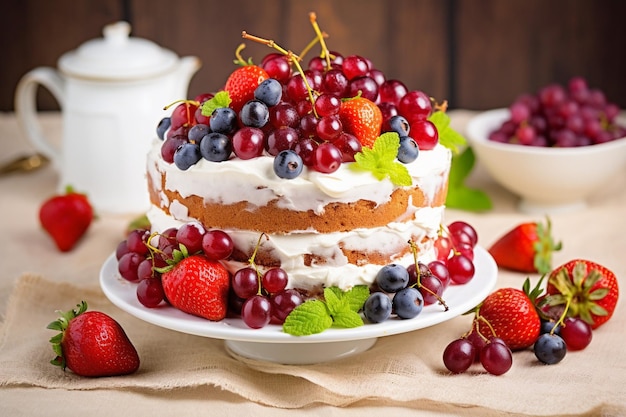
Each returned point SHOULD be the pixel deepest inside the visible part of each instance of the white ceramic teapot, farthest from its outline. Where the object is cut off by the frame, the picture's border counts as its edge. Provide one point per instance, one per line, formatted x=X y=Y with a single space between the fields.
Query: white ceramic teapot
x=111 y=91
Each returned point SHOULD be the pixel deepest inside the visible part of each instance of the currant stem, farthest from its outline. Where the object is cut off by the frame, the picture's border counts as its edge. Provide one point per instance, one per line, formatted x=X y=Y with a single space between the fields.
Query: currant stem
x=441 y=107
x=419 y=275
x=320 y=36
x=493 y=331
x=311 y=45
x=255 y=266
x=182 y=100
x=295 y=60
x=266 y=42
x=240 y=60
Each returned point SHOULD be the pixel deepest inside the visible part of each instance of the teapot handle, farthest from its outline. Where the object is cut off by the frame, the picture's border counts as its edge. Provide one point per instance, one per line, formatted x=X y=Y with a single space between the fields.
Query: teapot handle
x=26 y=107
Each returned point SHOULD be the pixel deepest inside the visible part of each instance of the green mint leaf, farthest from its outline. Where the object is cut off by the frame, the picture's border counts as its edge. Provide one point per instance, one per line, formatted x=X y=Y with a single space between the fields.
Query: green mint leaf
x=335 y=302
x=339 y=309
x=460 y=196
x=381 y=161
x=399 y=175
x=468 y=199
x=357 y=296
x=461 y=167
x=347 y=319
x=308 y=318
x=221 y=99
x=448 y=137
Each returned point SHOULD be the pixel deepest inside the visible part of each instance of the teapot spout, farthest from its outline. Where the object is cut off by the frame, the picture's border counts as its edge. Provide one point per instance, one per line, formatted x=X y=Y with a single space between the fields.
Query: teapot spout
x=187 y=67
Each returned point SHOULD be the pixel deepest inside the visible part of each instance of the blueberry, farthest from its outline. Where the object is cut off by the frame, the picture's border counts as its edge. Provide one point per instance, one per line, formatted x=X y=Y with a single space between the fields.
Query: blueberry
x=408 y=303
x=162 y=127
x=254 y=114
x=546 y=327
x=288 y=164
x=392 y=278
x=216 y=147
x=408 y=150
x=187 y=155
x=550 y=348
x=223 y=120
x=399 y=125
x=197 y=132
x=377 y=307
x=269 y=92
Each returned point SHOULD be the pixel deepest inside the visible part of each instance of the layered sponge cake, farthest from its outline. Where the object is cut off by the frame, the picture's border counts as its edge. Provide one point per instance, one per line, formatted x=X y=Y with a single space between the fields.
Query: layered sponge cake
x=334 y=229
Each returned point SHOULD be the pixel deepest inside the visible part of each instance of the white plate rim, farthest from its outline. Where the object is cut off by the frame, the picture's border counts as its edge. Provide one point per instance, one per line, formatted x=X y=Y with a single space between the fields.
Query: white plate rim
x=460 y=299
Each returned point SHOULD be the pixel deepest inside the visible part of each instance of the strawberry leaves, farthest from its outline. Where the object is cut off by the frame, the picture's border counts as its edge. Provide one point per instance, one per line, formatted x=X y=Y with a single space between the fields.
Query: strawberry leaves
x=381 y=161
x=61 y=324
x=544 y=246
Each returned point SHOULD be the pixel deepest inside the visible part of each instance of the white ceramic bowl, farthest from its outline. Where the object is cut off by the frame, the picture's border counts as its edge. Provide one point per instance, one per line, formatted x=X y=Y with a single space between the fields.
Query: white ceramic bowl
x=548 y=180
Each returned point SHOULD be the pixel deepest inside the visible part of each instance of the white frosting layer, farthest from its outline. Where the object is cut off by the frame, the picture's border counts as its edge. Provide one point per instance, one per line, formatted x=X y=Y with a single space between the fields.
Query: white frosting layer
x=254 y=181
x=335 y=271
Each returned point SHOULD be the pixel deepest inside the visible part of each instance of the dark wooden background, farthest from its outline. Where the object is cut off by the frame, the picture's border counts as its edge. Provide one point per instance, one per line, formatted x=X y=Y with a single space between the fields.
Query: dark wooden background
x=477 y=54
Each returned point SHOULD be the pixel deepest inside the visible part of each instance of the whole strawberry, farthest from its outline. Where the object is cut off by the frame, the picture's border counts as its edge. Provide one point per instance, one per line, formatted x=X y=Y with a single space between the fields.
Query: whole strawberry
x=92 y=344
x=361 y=118
x=241 y=84
x=66 y=218
x=512 y=315
x=590 y=289
x=527 y=247
x=196 y=285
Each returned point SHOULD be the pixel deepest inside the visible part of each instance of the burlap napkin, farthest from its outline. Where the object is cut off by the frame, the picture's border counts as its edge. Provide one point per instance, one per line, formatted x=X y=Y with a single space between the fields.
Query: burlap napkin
x=404 y=368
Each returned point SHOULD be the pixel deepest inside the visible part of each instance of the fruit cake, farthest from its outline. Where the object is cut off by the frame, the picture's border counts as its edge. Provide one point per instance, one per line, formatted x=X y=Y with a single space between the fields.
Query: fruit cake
x=329 y=171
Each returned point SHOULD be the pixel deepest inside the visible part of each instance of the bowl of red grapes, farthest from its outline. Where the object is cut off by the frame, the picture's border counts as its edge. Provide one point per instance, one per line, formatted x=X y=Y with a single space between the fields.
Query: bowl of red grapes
x=556 y=149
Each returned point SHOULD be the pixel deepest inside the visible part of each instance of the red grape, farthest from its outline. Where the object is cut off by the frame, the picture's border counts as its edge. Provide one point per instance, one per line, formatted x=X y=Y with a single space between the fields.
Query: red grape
x=327 y=158
x=284 y=302
x=459 y=355
x=576 y=333
x=191 y=234
x=150 y=292
x=274 y=280
x=424 y=132
x=245 y=282
x=248 y=142
x=256 y=311
x=496 y=358
x=461 y=269
x=217 y=245
x=461 y=226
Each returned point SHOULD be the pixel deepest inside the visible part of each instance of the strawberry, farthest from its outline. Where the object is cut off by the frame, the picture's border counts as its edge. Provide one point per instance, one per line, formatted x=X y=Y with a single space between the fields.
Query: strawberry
x=527 y=247
x=511 y=314
x=589 y=288
x=196 y=285
x=91 y=343
x=361 y=118
x=241 y=84
x=66 y=218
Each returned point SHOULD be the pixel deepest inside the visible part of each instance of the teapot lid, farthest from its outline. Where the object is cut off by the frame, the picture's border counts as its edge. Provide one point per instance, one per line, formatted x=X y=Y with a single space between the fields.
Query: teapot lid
x=117 y=56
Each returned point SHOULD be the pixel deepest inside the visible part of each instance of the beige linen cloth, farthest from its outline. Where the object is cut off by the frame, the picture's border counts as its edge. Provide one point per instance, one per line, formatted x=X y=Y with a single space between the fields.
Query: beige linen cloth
x=402 y=374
